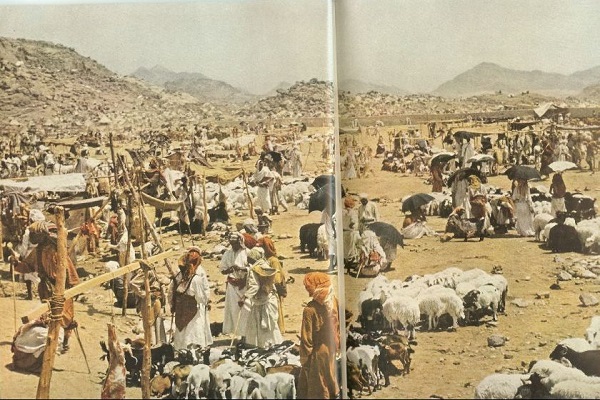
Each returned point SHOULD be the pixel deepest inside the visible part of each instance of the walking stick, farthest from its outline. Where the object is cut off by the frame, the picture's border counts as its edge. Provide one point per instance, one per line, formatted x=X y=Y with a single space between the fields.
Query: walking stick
x=82 y=350
x=237 y=325
x=14 y=293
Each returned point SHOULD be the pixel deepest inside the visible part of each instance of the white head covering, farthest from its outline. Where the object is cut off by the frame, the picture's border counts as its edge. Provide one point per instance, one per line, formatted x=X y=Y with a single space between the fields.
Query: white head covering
x=362 y=196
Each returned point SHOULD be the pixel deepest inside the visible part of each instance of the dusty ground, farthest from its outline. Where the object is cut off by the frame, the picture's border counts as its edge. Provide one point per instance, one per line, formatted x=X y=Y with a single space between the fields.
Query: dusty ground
x=447 y=364
x=450 y=364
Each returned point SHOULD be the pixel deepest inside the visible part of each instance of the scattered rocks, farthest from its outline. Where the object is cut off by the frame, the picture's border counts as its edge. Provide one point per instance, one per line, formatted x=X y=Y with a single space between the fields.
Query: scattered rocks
x=521 y=303
x=496 y=340
x=588 y=300
x=542 y=295
x=564 y=276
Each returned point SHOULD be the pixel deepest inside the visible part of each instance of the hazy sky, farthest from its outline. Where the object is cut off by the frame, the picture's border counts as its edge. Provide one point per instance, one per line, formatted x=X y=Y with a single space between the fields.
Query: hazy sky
x=255 y=44
x=252 y=44
x=417 y=45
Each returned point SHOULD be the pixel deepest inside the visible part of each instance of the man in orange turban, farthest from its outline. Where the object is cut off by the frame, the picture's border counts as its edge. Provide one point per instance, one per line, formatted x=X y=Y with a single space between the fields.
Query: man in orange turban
x=319 y=340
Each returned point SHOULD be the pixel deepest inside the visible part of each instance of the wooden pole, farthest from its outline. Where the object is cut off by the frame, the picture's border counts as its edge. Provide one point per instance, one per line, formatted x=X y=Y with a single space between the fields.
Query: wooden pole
x=112 y=155
x=94 y=282
x=248 y=194
x=147 y=360
x=205 y=216
x=56 y=306
x=124 y=260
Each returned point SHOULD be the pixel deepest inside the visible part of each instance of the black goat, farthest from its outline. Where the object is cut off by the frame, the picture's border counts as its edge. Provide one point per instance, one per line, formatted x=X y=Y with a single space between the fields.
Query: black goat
x=586 y=361
x=160 y=355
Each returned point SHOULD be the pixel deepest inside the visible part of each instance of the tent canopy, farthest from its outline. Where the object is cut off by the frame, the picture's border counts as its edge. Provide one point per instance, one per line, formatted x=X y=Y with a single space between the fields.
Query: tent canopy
x=68 y=183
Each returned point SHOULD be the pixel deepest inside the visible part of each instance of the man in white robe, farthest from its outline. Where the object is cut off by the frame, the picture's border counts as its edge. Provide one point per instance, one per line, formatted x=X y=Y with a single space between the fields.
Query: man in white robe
x=263 y=179
x=262 y=329
x=234 y=265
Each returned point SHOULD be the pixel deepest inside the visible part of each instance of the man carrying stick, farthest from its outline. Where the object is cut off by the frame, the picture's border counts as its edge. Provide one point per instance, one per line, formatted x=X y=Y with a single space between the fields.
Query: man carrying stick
x=44 y=260
x=234 y=265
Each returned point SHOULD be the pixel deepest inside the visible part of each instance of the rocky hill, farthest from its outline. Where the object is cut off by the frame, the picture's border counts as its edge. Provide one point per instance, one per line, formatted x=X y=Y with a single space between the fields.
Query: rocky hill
x=312 y=99
x=357 y=86
x=492 y=78
x=195 y=84
x=591 y=93
x=53 y=89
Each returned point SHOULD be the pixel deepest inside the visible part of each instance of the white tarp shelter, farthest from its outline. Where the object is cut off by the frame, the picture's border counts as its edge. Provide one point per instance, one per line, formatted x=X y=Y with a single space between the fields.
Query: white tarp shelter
x=69 y=183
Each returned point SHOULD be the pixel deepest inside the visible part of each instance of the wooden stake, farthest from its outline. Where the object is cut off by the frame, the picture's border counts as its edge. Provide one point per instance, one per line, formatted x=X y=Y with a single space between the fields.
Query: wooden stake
x=124 y=260
x=205 y=216
x=250 y=206
x=112 y=155
x=147 y=361
x=94 y=282
x=57 y=301
x=14 y=294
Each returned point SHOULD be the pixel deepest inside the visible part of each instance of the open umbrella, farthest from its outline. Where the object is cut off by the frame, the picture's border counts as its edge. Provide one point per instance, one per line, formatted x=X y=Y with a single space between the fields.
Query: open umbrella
x=460 y=135
x=323 y=180
x=318 y=200
x=415 y=201
x=276 y=156
x=480 y=158
x=442 y=156
x=388 y=231
x=522 y=172
x=560 y=166
x=462 y=173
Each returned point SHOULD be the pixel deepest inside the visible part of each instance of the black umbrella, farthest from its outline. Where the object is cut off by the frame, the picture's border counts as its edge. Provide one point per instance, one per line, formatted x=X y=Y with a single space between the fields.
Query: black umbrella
x=323 y=180
x=276 y=156
x=388 y=231
x=415 y=201
x=442 y=157
x=319 y=199
x=459 y=135
x=522 y=172
x=462 y=173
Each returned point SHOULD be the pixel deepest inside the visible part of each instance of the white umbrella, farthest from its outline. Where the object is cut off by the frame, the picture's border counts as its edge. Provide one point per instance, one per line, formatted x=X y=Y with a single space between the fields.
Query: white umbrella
x=480 y=158
x=560 y=166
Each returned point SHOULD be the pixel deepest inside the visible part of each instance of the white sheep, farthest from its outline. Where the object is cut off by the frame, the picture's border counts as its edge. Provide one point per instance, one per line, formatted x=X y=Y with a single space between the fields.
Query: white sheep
x=577 y=344
x=402 y=310
x=551 y=372
x=575 y=389
x=592 y=244
x=592 y=333
x=545 y=234
x=586 y=229
x=500 y=386
x=539 y=222
x=488 y=297
x=435 y=303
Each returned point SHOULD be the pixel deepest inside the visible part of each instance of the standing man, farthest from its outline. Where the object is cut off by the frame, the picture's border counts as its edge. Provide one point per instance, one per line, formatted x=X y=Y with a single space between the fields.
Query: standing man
x=44 y=260
x=261 y=297
x=189 y=296
x=234 y=265
x=319 y=340
x=296 y=161
x=263 y=179
x=367 y=212
x=590 y=155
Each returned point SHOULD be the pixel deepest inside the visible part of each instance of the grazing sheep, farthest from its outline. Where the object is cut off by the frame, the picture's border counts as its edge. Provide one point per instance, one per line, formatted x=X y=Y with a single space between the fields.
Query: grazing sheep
x=539 y=222
x=402 y=310
x=485 y=297
x=577 y=344
x=575 y=389
x=500 y=386
x=592 y=333
x=438 y=302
